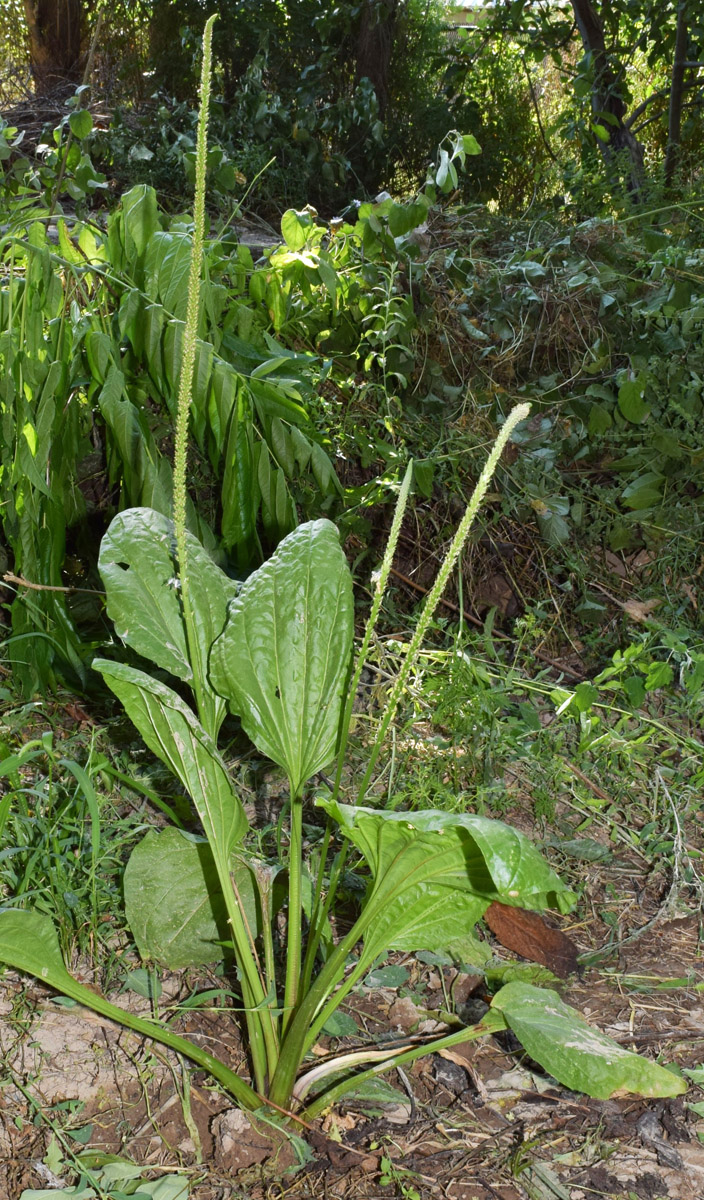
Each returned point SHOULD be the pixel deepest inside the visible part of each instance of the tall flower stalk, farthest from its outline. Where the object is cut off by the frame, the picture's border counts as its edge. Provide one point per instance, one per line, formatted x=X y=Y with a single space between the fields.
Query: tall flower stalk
x=263 y=1034
x=434 y=595
x=190 y=339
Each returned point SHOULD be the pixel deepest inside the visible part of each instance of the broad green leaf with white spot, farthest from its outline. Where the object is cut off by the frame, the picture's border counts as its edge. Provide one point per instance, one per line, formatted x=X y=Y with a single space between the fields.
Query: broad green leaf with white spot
x=575 y=1053
x=173 y=902
x=283 y=658
x=173 y=732
x=631 y=400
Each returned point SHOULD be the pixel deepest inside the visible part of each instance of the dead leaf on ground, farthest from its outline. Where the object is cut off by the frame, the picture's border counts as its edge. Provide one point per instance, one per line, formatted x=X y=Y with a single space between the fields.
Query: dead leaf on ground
x=640 y=610
x=527 y=934
x=496 y=592
x=689 y=593
x=642 y=559
x=615 y=564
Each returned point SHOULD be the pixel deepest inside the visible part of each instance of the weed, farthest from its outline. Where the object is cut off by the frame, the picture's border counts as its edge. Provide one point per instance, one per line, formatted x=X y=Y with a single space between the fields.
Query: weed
x=277 y=652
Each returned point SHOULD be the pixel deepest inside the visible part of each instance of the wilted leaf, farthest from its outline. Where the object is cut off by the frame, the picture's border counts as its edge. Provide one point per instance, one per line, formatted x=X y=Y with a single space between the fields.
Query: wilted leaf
x=640 y=610
x=527 y=934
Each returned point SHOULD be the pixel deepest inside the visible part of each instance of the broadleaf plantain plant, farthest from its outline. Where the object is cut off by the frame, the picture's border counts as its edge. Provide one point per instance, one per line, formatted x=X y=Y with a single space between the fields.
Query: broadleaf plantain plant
x=277 y=653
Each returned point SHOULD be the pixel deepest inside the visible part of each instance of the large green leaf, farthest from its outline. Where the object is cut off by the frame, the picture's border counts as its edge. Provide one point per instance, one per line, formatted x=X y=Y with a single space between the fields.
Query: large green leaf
x=283 y=658
x=457 y=850
x=429 y=917
x=578 y=1055
x=173 y=901
x=240 y=491
x=434 y=874
x=173 y=732
x=28 y=942
x=137 y=567
x=166 y=267
x=140 y=219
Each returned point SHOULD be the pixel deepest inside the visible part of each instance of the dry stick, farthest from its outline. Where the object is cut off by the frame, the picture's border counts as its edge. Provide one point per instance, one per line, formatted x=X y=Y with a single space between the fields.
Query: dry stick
x=47 y=587
x=586 y=780
x=503 y=637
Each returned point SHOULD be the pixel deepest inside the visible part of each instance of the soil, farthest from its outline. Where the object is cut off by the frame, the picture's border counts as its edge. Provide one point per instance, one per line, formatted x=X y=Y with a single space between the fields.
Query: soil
x=480 y=1122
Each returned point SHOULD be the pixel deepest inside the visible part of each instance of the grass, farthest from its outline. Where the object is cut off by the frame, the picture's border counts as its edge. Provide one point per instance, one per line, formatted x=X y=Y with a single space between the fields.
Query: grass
x=66 y=827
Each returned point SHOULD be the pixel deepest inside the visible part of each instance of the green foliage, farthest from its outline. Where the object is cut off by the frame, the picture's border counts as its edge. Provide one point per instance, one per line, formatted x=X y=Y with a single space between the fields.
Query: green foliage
x=579 y=1056
x=295 y=86
x=53 y=815
x=287 y=694
x=418 y=863
x=172 y=900
x=282 y=662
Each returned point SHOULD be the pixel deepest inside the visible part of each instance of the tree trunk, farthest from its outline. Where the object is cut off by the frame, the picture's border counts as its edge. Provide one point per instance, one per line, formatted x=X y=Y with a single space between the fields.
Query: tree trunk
x=674 y=121
x=607 y=96
x=54 y=28
x=374 y=45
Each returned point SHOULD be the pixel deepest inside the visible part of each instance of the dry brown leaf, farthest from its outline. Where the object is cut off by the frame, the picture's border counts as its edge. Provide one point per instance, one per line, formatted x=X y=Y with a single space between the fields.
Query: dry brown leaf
x=615 y=564
x=640 y=610
x=527 y=934
x=642 y=559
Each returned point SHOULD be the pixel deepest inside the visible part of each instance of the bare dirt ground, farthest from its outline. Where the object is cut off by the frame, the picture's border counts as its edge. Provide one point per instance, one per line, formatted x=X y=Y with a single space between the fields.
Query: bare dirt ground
x=479 y=1123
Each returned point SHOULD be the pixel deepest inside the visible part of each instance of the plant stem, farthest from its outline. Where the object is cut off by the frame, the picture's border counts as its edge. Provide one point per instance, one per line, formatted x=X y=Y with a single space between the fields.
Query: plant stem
x=518 y=414
x=297 y=1039
x=295 y=913
x=380 y=588
x=190 y=340
x=242 y=1092
x=318 y=917
x=493 y=1022
x=262 y=1036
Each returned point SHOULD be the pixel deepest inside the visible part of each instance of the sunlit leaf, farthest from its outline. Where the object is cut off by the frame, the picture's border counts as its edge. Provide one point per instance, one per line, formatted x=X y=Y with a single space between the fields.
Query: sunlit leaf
x=283 y=658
